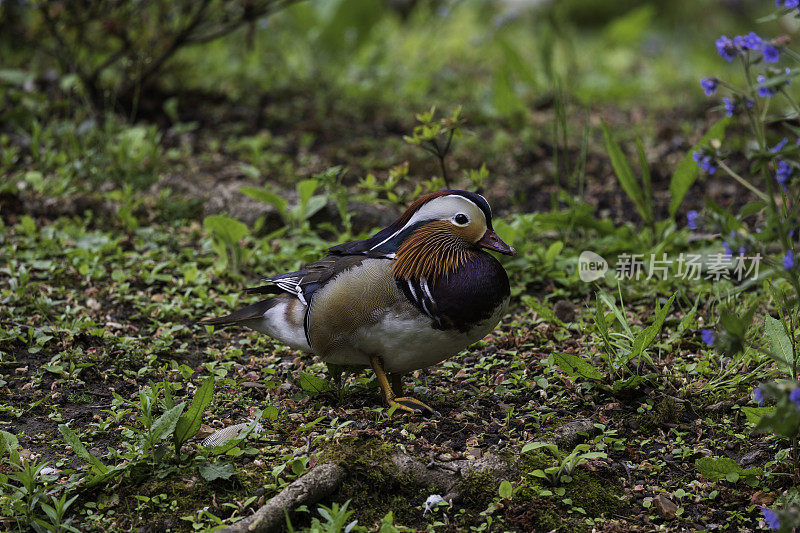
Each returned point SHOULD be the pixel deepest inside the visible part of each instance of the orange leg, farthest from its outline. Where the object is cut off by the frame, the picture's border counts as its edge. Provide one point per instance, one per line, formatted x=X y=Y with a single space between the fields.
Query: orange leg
x=404 y=403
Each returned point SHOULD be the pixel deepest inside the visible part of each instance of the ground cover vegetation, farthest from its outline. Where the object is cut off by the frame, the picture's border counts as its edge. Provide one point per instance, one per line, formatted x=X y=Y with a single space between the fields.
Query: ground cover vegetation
x=159 y=157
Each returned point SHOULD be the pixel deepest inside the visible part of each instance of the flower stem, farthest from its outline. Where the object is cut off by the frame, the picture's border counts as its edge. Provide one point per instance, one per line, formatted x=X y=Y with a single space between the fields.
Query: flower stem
x=741 y=180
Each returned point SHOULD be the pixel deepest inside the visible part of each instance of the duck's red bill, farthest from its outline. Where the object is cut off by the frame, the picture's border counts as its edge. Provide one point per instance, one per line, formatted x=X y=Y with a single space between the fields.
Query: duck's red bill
x=491 y=241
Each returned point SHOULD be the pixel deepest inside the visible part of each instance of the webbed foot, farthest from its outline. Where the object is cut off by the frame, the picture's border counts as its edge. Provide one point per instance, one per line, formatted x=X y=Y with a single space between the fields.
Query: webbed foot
x=412 y=405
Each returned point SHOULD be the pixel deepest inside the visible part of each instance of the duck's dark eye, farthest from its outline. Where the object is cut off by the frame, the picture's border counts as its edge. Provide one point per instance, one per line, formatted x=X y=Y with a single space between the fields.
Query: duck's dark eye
x=461 y=219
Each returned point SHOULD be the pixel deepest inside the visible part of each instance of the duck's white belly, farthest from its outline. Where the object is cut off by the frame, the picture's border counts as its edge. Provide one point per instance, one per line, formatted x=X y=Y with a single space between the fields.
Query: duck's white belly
x=404 y=339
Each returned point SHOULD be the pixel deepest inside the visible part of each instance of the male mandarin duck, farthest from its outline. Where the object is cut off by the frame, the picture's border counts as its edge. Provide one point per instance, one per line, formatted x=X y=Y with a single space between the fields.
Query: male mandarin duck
x=410 y=296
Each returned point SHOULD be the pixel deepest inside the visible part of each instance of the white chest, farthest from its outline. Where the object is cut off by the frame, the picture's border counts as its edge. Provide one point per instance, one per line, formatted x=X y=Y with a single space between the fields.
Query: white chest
x=405 y=340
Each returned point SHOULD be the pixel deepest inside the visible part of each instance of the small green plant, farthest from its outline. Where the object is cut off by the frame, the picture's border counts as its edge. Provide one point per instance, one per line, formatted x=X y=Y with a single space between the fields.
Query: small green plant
x=435 y=136
x=725 y=469
x=391 y=186
x=336 y=520
x=641 y=194
x=25 y=490
x=296 y=217
x=566 y=464
x=622 y=347
x=226 y=234
x=56 y=513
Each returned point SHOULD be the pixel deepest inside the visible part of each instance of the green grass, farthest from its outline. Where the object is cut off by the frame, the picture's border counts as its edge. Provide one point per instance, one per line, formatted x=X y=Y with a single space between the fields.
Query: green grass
x=94 y=316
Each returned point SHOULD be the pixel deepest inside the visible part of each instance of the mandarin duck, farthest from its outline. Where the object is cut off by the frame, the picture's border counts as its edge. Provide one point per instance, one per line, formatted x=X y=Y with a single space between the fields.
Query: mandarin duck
x=412 y=295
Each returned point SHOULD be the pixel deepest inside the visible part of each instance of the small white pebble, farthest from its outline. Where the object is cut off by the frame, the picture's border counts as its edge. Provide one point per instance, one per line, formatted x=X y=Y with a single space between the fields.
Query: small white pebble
x=432 y=500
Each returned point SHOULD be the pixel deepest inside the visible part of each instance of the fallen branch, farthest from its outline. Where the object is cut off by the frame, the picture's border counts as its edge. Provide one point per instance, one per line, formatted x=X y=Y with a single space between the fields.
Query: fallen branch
x=314 y=486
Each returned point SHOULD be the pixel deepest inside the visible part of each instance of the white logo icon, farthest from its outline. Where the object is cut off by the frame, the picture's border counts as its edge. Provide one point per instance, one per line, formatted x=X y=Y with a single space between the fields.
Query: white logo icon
x=591 y=266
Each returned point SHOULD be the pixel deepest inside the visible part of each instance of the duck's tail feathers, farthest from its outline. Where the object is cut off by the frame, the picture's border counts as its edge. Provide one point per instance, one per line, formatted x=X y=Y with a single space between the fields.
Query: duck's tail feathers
x=253 y=311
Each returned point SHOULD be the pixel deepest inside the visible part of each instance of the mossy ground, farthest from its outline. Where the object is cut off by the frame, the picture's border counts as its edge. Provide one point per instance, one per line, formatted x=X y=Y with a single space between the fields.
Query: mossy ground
x=374 y=482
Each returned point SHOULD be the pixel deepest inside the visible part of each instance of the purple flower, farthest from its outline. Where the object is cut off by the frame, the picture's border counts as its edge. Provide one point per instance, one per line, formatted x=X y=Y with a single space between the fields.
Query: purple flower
x=771 y=518
x=734 y=105
x=742 y=250
x=758 y=394
x=783 y=172
x=778 y=147
x=705 y=162
x=691 y=219
x=771 y=54
x=727 y=248
x=730 y=106
x=709 y=85
x=794 y=396
x=788 y=264
x=707 y=336
x=726 y=48
x=788 y=4
x=764 y=92
x=752 y=41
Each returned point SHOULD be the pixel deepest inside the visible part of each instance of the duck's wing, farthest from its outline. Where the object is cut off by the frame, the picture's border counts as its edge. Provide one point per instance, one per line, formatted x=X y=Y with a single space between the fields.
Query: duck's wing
x=285 y=315
x=304 y=282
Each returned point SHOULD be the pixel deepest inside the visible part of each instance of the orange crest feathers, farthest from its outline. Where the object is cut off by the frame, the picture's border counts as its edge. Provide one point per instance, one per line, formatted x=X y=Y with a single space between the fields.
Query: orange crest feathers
x=431 y=252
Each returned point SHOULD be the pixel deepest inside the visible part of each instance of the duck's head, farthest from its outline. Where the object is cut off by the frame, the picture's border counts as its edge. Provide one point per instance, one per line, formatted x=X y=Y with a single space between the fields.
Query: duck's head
x=461 y=218
x=438 y=233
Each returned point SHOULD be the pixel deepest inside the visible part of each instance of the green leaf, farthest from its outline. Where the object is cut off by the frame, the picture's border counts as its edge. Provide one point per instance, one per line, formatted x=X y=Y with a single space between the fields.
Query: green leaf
x=531 y=446
x=506 y=490
x=625 y=175
x=189 y=422
x=270 y=413
x=602 y=326
x=315 y=204
x=164 y=426
x=754 y=414
x=544 y=312
x=718 y=468
x=225 y=228
x=9 y=442
x=298 y=467
x=648 y=334
x=71 y=438
x=686 y=172
x=573 y=366
x=306 y=189
x=313 y=384
x=752 y=208
x=268 y=197
x=218 y=470
x=552 y=252
x=779 y=343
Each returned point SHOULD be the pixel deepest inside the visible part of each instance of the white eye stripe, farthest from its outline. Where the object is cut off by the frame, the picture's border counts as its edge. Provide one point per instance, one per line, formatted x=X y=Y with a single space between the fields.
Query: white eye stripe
x=434 y=210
